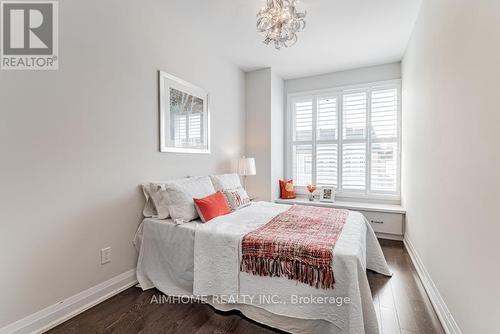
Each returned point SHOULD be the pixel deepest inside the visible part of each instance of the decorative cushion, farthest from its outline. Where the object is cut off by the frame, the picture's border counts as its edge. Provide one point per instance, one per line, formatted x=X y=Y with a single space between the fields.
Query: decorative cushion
x=287 y=190
x=179 y=197
x=212 y=206
x=237 y=198
x=225 y=181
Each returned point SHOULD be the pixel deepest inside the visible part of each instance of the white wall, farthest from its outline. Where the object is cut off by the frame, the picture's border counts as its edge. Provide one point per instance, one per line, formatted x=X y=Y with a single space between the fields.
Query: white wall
x=451 y=160
x=277 y=133
x=345 y=78
x=75 y=144
x=264 y=132
x=258 y=130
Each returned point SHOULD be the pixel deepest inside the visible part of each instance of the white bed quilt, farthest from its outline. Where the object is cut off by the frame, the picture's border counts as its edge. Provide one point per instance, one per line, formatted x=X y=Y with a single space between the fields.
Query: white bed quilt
x=166 y=252
x=217 y=256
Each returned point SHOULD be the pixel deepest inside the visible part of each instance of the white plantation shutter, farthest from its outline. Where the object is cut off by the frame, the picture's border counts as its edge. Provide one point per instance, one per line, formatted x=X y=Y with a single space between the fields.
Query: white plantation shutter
x=354 y=166
x=326 y=164
x=348 y=139
x=302 y=165
x=180 y=129
x=384 y=167
x=327 y=119
x=384 y=114
x=303 y=120
x=326 y=147
x=187 y=129
x=302 y=142
x=354 y=116
x=195 y=127
x=384 y=141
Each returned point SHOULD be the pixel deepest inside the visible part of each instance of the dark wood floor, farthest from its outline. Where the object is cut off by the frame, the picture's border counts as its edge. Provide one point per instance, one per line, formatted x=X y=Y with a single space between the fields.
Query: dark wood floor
x=401 y=303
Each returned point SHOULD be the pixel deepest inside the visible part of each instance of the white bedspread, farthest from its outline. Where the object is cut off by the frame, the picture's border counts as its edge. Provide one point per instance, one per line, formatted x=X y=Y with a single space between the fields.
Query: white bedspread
x=204 y=259
x=166 y=252
x=217 y=255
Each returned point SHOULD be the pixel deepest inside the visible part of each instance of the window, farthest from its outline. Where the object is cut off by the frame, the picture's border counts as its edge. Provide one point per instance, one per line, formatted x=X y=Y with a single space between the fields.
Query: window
x=348 y=138
x=188 y=129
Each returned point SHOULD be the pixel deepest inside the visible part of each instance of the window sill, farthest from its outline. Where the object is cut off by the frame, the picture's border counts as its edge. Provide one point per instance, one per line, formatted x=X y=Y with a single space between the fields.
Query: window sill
x=350 y=205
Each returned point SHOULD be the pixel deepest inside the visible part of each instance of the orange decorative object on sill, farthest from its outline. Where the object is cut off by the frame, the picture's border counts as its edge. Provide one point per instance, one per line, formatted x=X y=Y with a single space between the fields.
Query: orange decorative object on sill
x=287 y=190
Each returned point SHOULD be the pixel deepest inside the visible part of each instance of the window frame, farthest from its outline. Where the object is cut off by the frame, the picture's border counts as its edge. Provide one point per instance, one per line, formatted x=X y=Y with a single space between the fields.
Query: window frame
x=338 y=92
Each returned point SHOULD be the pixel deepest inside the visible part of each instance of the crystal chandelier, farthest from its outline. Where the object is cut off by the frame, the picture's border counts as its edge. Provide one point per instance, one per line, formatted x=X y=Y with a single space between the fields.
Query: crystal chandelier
x=280 y=22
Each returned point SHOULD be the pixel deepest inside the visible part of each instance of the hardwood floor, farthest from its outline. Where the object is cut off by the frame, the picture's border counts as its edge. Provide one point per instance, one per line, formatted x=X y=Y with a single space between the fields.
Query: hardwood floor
x=401 y=304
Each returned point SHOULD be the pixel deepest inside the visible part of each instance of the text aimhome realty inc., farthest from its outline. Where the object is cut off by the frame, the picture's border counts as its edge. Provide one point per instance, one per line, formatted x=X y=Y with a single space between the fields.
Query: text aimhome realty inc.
x=251 y=299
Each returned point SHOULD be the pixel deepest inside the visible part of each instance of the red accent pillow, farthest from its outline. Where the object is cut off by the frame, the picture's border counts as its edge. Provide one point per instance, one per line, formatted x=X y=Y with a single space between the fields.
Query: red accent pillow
x=286 y=189
x=211 y=206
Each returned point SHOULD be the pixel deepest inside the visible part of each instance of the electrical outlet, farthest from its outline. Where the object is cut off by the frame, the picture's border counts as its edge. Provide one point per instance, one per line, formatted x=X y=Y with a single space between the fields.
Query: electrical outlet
x=105 y=255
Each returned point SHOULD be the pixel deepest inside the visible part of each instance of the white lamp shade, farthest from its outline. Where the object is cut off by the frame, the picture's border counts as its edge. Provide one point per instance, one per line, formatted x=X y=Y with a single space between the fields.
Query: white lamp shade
x=246 y=166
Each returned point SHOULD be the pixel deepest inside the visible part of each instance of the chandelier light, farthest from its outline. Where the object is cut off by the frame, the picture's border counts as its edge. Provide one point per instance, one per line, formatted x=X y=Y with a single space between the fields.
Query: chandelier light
x=280 y=21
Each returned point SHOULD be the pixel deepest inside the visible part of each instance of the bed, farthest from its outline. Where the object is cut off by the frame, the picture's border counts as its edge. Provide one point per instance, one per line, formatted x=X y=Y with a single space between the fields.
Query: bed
x=194 y=259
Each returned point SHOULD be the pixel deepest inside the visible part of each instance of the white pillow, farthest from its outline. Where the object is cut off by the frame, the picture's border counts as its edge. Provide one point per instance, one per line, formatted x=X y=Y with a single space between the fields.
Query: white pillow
x=237 y=198
x=225 y=181
x=179 y=197
x=149 y=208
x=156 y=204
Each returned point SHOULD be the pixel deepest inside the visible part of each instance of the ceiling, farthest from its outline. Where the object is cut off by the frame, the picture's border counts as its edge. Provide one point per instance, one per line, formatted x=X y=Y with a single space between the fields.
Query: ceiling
x=340 y=34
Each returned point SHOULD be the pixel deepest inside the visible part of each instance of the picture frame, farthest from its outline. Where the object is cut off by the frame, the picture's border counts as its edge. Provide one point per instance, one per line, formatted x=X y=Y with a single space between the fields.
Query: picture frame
x=327 y=194
x=184 y=116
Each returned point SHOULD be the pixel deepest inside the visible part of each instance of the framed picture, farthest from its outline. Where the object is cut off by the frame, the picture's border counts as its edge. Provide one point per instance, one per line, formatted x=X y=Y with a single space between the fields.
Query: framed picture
x=327 y=194
x=184 y=116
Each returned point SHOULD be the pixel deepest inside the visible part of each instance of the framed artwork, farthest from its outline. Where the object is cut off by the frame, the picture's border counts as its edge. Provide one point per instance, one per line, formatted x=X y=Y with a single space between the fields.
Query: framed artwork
x=327 y=194
x=184 y=116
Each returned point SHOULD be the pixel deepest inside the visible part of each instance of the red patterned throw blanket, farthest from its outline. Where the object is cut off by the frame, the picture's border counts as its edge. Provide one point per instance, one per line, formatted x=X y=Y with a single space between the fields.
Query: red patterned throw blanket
x=297 y=244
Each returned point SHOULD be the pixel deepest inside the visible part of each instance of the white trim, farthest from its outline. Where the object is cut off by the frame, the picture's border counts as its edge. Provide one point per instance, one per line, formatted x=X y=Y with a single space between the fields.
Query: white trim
x=368 y=142
x=355 y=206
x=389 y=236
x=349 y=89
x=445 y=317
x=66 y=309
x=314 y=175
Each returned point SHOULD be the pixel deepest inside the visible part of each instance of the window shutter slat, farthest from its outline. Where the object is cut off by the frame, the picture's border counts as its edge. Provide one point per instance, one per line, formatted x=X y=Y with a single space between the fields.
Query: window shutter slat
x=303 y=120
x=354 y=116
x=326 y=119
x=195 y=127
x=384 y=167
x=302 y=164
x=384 y=125
x=326 y=164
x=354 y=166
x=384 y=114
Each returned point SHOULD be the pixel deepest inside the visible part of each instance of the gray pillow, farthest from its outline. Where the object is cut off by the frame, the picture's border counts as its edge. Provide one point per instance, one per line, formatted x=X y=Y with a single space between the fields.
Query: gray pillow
x=179 y=197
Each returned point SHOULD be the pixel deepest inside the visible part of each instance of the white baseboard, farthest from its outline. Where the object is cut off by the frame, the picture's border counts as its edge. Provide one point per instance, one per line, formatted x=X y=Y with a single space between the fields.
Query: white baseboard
x=56 y=314
x=389 y=236
x=449 y=324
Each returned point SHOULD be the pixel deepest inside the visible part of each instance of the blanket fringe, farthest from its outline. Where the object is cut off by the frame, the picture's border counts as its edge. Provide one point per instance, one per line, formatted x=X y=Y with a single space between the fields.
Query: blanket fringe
x=319 y=277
